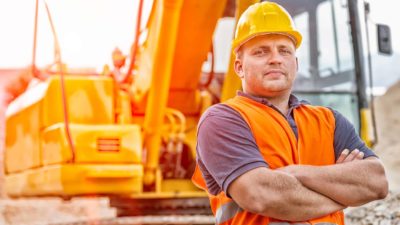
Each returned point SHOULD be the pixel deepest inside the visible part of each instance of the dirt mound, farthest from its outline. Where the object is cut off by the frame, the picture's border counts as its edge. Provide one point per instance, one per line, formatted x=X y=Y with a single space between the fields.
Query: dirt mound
x=386 y=211
x=40 y=211
x=388 y=124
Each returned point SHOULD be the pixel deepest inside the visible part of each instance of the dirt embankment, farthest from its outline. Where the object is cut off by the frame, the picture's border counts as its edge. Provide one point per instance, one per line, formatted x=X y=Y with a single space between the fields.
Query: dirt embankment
x=388 y=123
x=387 y=211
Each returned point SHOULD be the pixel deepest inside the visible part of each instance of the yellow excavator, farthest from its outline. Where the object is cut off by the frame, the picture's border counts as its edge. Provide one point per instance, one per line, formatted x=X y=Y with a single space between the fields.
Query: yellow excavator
x=131 y=134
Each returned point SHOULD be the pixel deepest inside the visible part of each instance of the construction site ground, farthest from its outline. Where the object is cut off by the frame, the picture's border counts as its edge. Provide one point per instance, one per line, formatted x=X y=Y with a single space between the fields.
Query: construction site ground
x=43 y=211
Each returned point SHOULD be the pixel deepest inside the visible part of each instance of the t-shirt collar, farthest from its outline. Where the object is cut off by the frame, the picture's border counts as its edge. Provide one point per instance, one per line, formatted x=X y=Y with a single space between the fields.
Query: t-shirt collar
x=293 y=100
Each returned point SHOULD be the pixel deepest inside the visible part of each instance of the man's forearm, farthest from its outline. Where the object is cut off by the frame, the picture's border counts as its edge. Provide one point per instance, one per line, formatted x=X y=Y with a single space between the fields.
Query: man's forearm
x=295 y=202
x=351 y=184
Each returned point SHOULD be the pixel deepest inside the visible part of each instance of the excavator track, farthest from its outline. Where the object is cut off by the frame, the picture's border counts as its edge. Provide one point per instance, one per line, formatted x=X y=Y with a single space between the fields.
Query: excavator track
x=155 y=211
x=160 y=206
x=148 y=220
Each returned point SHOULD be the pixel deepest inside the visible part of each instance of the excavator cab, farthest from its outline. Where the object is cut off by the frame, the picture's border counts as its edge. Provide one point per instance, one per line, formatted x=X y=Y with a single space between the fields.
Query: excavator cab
x=334 y=59
x=327 y=74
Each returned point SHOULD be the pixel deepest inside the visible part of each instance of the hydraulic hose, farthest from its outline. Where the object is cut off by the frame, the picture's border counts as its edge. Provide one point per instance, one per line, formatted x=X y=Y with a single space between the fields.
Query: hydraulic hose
x=62 y=84
x=136 y=43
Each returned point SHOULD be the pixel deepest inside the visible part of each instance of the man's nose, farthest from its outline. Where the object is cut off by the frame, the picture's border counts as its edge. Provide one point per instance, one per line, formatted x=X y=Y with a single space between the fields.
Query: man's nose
x=275 y=57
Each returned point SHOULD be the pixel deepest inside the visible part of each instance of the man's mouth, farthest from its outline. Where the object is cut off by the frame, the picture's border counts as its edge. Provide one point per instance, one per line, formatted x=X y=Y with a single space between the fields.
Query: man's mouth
x=274 y=72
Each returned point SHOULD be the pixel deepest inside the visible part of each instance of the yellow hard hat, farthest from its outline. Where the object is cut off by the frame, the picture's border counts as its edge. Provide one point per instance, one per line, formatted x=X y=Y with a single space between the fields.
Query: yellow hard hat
x=264 y=18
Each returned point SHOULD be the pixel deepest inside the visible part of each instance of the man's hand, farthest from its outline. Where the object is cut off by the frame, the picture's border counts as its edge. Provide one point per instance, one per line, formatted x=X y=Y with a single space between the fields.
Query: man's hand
x=347 y=156
x=350 y=184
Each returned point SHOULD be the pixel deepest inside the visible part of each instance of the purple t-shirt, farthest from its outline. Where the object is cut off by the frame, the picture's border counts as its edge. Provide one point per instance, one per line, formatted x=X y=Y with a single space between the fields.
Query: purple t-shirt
x=226 y=147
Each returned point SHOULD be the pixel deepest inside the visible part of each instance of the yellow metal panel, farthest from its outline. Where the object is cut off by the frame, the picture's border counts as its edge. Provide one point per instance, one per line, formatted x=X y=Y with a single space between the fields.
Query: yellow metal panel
x=180 y=194
x=54 y=145
x=73 y=179
x=22 y=128
x=93 y=144
x=366 y=127
x=90 y=100
x=125 y=109
x=178 y=185
x=191 y=136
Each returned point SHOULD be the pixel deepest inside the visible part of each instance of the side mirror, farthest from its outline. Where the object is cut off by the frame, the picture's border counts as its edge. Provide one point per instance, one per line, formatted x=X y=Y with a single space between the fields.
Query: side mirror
x=384 y=39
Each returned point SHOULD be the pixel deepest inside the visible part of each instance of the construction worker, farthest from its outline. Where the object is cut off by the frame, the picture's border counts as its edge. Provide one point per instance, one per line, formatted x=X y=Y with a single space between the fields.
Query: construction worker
x=265 y=157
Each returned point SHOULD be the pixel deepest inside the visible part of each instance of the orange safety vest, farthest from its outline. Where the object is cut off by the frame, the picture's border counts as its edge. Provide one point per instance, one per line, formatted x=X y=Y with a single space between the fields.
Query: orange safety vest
x=279 y=147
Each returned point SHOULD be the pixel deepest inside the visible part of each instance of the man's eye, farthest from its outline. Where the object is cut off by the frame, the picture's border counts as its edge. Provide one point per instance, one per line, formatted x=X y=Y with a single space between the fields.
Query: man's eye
x=286 y=51
x=259 y=52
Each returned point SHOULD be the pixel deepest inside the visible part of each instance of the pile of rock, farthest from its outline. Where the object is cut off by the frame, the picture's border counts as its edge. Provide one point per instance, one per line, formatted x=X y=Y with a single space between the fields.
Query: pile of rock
x=384 y=212
x=388 y=124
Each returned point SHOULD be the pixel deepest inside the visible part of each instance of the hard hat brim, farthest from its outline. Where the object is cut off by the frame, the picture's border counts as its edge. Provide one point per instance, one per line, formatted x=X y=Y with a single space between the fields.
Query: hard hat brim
x=293 y=35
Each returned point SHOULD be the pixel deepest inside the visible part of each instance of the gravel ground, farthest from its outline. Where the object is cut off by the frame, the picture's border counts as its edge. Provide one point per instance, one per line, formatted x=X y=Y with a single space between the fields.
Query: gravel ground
x=385 y=212
x=43 y=211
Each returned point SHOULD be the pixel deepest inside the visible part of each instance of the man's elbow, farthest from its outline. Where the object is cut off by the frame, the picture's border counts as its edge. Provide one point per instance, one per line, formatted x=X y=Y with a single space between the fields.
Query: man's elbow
x=275 y=206
x=383 y=188
x=381 y=182
x=379 y=185
x=256 y=203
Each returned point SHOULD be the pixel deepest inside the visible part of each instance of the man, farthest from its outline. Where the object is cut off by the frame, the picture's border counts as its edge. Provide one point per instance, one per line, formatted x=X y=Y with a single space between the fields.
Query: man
x=265 y=157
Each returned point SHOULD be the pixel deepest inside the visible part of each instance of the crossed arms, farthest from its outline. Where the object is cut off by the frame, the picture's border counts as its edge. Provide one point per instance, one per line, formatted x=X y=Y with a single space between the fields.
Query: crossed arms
x=303 y=192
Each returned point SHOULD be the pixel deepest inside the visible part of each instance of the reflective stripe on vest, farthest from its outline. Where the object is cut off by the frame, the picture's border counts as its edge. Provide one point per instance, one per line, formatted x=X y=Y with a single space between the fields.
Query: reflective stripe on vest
x=231 y=209
x=227 y=211
x=285 y=223
x=325 y=223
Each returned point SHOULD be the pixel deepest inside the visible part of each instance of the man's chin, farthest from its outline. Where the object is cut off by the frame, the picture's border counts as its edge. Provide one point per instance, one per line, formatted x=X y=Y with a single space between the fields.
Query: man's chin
x=276 y=90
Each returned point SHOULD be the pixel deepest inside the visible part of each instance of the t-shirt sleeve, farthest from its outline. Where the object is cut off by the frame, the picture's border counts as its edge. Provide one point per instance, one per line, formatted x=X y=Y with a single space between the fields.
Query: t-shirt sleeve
x=346 y=137
x=226 y=148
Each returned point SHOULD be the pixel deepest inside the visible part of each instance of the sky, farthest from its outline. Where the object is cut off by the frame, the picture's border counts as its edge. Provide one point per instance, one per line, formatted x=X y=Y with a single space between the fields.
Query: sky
x=88 y=31
x=386 y=11
x=106 y=24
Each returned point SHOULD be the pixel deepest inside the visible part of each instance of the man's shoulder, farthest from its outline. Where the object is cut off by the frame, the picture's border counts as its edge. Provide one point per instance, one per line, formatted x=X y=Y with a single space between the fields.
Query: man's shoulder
x=220 y=114
x=307 y=104
x=338 y=117
x=219 y=110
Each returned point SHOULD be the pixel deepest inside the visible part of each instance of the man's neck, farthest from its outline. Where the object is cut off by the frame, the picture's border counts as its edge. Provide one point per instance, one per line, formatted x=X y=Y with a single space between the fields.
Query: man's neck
x=280 y=102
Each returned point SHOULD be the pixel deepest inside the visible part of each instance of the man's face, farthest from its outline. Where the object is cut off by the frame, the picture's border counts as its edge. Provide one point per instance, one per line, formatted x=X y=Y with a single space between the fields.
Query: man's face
x=267 y=65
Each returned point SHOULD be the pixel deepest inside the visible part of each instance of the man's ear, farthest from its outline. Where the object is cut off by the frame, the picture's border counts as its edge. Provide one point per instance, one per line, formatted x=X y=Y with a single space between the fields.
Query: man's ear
x=297 y=64
x=238 y=68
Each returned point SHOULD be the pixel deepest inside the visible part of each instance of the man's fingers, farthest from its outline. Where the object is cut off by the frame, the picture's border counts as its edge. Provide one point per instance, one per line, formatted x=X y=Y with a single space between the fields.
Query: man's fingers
x=347 y=156
x=360 y=156
x=352 y=156
x=343 y=156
